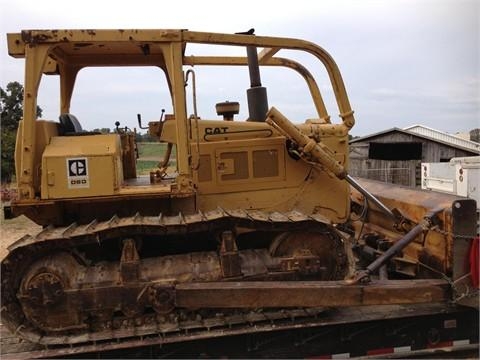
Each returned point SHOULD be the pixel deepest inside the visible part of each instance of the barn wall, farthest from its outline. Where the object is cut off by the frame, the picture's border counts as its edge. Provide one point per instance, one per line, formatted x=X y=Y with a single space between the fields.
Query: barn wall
x=396 y=172
x=434 y=152
x=402 y=172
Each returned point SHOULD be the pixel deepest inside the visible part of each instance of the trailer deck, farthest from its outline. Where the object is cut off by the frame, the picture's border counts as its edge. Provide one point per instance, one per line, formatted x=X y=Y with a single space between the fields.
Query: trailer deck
x=356 y=331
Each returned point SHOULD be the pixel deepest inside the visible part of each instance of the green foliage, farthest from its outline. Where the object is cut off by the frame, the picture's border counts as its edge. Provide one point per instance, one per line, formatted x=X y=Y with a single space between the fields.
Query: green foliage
x=11 y=105
x=102 y=130
x=7 y=155
x=11 y=112
x=475 y=135
x=145 y=138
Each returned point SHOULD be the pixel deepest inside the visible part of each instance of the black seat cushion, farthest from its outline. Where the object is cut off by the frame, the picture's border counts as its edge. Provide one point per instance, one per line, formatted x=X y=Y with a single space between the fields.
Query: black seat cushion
x=70 y=124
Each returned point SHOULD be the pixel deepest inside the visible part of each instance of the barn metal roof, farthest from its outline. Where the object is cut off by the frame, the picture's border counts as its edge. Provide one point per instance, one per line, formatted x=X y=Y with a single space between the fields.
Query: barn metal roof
x=429 y=134
x=443 y=137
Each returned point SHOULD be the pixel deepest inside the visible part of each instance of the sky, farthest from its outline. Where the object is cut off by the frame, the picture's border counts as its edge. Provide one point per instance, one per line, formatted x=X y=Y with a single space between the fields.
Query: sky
x=403 y=62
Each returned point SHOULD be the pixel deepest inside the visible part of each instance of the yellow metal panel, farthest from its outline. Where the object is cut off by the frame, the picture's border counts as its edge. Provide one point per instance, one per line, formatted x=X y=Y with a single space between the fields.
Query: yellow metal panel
x=98 y=179
x=50 y=67
x=108 y=144
x=105 y=35
x=44 y=131
x=34 y=63
x=16 y=47
x=81 y=166
x=294 y=186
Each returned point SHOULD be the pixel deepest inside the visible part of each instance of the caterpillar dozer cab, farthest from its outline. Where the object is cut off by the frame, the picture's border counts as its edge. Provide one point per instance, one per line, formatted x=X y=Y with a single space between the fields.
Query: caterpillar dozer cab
x=239 y=215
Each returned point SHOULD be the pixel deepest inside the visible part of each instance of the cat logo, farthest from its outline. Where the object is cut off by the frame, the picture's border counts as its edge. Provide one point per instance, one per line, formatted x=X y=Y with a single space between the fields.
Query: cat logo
x=216 y=130
x=77 y=169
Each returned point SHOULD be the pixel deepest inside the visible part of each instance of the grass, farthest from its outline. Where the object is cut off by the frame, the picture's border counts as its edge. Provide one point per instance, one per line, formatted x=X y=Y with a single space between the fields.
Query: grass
x=145 y=166
x=150 y=154
x=152 y=149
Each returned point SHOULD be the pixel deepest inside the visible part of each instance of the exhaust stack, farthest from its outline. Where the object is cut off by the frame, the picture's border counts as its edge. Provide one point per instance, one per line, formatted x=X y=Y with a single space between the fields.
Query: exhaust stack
x=257 y=94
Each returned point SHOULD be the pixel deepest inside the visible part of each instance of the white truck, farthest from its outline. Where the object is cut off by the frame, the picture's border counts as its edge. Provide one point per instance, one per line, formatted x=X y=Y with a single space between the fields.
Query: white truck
x=460 y=176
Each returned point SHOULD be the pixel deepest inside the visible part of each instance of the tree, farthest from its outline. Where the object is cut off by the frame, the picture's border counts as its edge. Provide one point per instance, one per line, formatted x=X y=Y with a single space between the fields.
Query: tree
x=102 y=130
x=145 y=137
x=11 y=112
x=8 y=151
x=475 y=135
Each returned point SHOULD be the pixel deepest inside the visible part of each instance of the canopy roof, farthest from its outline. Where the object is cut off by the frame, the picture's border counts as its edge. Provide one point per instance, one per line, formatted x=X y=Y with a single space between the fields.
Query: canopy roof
x=98 y=47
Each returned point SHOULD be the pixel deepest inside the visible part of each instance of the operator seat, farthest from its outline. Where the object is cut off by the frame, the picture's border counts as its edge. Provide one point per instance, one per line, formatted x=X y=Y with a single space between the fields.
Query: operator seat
x=70 y=124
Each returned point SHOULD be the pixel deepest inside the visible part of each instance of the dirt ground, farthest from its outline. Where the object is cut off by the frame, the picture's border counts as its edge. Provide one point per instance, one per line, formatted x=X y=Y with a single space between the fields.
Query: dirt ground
x=12 y=230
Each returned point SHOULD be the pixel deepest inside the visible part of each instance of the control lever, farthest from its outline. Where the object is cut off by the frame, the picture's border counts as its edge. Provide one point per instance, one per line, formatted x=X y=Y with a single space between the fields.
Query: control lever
x=139 y=118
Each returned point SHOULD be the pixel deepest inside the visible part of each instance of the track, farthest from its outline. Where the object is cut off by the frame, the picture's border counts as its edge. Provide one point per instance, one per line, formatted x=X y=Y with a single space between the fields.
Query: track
x=98 y=254
x=50 y=290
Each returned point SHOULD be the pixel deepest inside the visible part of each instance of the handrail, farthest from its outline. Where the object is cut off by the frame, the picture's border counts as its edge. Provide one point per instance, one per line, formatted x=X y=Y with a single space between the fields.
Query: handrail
x=345 y=110
x=196 y=162
x=276 y=61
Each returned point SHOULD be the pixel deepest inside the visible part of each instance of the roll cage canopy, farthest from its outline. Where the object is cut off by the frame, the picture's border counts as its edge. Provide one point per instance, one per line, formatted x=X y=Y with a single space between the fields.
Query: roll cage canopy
x=76 y=49
x=66 y=52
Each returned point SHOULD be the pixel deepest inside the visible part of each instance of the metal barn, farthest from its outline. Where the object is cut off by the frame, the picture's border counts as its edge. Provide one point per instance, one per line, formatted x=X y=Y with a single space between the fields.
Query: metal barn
x=395 y=155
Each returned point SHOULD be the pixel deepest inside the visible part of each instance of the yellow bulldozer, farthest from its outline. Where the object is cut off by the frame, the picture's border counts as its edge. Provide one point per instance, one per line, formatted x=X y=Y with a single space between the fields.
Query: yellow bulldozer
x=239 y=214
